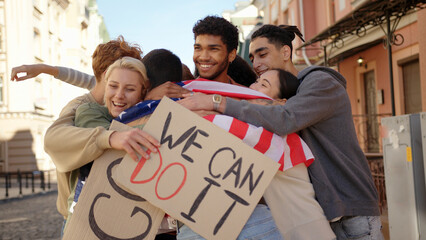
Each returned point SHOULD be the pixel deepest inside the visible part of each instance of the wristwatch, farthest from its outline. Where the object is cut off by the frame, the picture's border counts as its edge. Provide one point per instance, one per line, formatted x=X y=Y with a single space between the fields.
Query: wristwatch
x=217 y=99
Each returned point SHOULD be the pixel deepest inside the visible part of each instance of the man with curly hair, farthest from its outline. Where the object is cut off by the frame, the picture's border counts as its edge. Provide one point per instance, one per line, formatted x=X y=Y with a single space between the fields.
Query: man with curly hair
x=215 y=47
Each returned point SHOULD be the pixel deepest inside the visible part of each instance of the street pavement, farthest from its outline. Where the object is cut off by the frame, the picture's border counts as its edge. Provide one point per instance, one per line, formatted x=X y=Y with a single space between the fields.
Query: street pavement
x=32 y=216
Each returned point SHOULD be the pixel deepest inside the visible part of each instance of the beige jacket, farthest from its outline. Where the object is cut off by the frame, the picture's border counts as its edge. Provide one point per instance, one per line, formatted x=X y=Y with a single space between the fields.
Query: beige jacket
x=71 y=147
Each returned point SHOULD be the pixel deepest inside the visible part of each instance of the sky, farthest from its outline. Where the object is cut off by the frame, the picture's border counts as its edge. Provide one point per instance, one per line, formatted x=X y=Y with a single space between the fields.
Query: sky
x=160 y=23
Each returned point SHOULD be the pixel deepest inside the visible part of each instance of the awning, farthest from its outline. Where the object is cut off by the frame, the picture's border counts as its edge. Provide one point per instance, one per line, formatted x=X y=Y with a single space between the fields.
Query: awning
x=368 y=15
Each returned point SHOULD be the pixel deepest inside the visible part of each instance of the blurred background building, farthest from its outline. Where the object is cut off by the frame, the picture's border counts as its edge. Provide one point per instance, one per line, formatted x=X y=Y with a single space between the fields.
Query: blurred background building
x=56 y=32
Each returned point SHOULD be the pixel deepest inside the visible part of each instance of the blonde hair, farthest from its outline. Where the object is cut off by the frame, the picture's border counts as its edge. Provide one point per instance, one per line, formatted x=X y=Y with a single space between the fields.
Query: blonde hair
x=132 y=64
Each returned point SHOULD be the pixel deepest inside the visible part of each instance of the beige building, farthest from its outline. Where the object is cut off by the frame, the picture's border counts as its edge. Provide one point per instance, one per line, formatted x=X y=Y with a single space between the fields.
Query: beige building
x=245 y=16
x=55 y=32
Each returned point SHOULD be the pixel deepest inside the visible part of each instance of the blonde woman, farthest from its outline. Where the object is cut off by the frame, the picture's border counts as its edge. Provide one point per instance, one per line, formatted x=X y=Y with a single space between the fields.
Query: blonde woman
x=126 y=85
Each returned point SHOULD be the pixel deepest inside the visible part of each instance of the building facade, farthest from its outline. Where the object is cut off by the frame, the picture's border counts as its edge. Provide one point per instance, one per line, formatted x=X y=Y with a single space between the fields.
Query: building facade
x=54 y=32
x=351 y=36
x=378 y=46
x=245 y=18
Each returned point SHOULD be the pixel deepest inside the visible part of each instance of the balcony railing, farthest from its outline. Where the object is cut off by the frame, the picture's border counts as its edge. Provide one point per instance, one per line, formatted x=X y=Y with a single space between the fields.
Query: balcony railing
x=369 y=137
x=368 y=131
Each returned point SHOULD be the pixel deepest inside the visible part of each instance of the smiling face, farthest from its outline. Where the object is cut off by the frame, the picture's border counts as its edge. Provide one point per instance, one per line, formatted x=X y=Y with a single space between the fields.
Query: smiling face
x=123 y=90
x=268 y=83
x=211 y=57
x=265 y=55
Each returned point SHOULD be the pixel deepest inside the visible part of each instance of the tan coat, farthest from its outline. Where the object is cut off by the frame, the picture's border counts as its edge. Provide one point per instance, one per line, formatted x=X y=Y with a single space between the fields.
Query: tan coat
x=71 y=147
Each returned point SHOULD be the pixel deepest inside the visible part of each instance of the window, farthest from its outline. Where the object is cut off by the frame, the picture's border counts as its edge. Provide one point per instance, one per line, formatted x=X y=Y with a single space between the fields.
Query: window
x=412 y=90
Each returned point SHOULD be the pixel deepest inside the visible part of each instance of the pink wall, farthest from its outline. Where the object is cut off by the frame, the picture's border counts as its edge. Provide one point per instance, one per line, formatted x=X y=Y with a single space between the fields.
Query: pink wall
x=342 y=13
x=348 y=68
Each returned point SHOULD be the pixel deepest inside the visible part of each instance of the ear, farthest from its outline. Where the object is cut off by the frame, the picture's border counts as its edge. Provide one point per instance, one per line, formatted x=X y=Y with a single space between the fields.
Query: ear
x=280 y=101
x=232 y=55
x=286 y=52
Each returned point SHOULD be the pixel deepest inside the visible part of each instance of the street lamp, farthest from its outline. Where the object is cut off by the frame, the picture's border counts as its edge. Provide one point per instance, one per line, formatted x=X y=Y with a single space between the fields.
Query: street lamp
x=360 y=61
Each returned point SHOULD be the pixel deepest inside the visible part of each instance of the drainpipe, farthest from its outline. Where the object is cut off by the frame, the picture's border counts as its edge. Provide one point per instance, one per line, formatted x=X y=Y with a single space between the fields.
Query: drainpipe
x=302 y=28
x=389 y=48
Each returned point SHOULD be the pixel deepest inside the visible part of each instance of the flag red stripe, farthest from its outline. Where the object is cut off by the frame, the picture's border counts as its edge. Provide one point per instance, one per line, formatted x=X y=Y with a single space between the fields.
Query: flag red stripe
x=210 y=117
x=238 y=128
x=281 y=162
x=264 y=141
x=297 y=155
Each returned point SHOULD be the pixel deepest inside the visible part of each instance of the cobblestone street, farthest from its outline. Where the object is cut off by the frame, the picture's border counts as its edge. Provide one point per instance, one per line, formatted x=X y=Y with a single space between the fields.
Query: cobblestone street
x=31 y=217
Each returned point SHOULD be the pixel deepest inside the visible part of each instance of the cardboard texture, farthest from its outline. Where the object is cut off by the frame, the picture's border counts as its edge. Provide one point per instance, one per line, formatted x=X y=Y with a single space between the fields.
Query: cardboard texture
x=203 y=176
x=106 y=210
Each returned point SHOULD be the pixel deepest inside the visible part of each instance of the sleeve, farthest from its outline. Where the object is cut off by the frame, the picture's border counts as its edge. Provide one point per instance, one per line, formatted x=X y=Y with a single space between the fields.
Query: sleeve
x=87 y=116
x=317 y=99
x=71 y=147
x=76 y=78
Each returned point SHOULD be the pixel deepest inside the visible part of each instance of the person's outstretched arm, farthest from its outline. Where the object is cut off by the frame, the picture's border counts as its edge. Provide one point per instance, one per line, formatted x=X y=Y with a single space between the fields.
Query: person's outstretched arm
x=67 y=75
x=318 y=98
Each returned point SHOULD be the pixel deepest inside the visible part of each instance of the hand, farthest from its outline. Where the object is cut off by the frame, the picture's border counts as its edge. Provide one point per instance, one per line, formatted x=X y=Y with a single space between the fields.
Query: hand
x=197 y=101
x=33 y=71
x=131 y=141
x=168 y=89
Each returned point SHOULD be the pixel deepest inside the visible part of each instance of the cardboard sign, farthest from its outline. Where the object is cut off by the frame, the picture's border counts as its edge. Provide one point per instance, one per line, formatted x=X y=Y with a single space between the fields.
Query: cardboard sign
x=106 y=210
x=203 y=176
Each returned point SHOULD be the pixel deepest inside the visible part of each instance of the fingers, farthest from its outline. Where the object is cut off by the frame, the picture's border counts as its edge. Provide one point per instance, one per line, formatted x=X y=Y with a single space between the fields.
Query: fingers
x=176 y=91
x=139 y=140
x=131 y=153
x=168 y=89
x=22 y=78
x=28 y=70
x=132 y=141
x=185 y=95
x=15 y=71
x=151 y=140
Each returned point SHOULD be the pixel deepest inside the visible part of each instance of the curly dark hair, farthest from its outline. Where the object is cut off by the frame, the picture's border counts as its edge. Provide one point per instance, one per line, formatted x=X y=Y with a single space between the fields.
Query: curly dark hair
x=218 y=26
x=278 y=35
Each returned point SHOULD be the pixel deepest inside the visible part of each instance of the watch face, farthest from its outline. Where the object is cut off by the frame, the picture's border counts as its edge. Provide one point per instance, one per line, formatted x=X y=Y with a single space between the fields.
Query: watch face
x=216 y=98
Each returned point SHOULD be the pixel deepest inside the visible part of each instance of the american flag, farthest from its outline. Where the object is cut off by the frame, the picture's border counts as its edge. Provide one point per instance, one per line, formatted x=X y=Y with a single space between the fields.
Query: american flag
x=224 y=89
x=288 y=150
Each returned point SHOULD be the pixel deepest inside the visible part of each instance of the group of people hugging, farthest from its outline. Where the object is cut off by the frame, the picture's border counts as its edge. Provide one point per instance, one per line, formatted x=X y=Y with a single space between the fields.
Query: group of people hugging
x=326 y=194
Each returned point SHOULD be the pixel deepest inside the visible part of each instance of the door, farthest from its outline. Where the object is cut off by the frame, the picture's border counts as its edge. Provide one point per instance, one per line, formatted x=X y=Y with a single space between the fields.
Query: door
x=412 y=91
x=371 y=112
